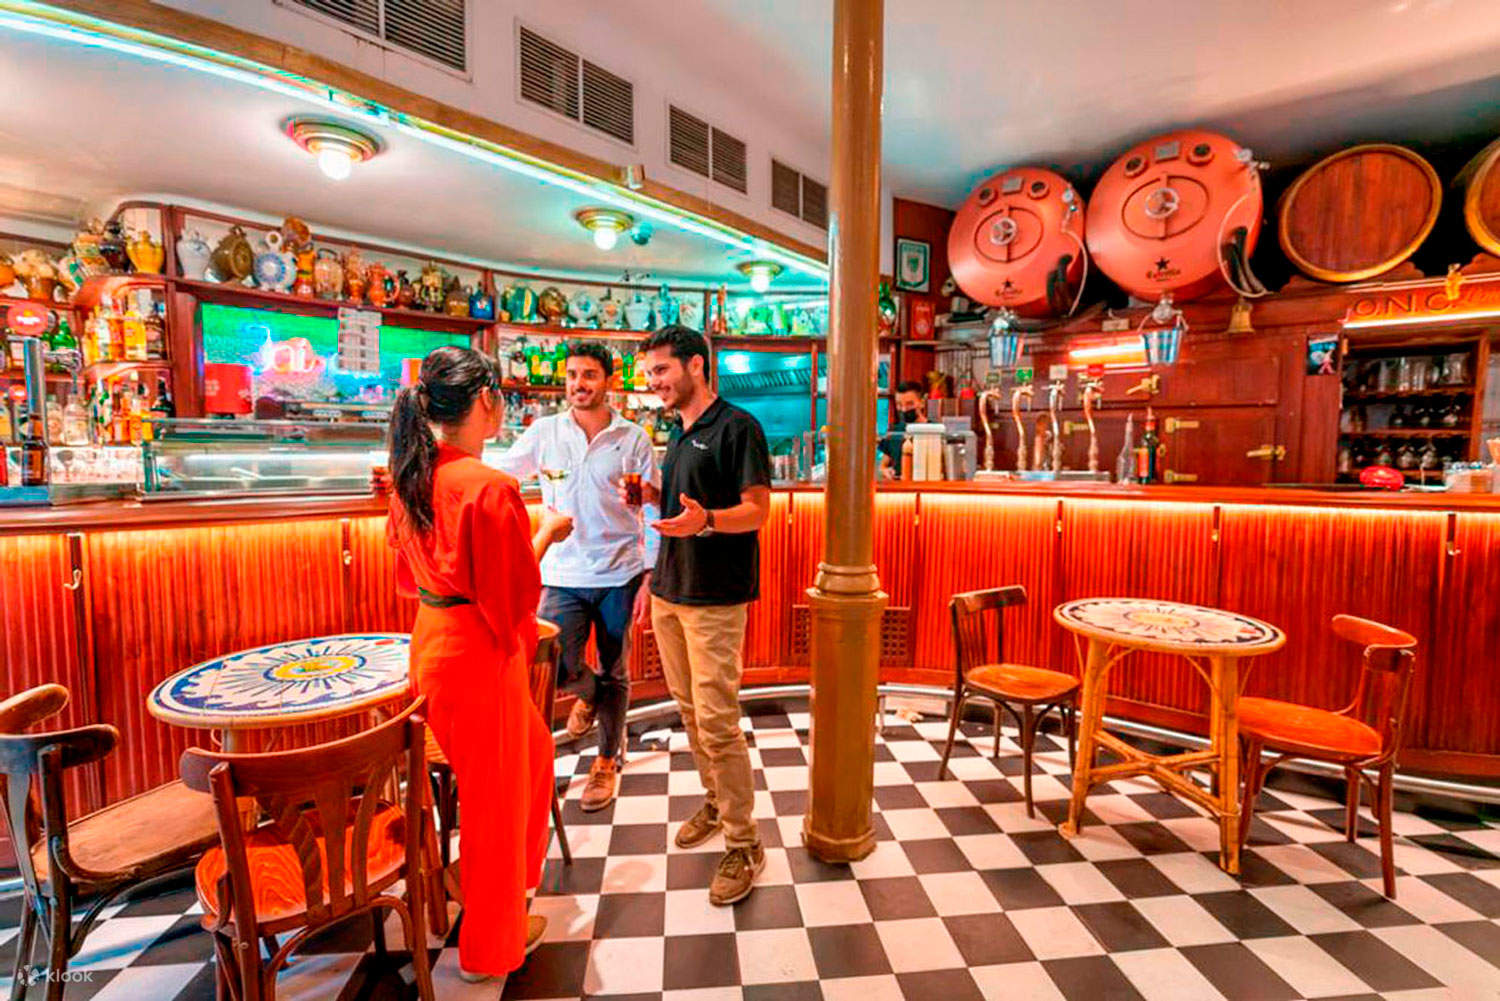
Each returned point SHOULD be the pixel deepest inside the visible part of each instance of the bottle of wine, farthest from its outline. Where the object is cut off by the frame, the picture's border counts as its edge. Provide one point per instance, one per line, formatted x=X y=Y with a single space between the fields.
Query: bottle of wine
x=1147 y=454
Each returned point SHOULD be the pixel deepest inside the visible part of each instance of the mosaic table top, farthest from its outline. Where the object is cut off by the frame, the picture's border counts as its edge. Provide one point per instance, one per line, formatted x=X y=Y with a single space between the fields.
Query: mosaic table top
x=1168 y=625
x=284 y=683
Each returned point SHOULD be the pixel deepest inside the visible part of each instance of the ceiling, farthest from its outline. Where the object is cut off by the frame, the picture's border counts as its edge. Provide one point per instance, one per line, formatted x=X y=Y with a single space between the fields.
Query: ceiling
x=156 y=130
x=975 y=85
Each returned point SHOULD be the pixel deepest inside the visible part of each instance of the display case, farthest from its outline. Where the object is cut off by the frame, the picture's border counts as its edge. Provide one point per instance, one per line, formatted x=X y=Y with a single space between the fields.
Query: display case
x=196 y=457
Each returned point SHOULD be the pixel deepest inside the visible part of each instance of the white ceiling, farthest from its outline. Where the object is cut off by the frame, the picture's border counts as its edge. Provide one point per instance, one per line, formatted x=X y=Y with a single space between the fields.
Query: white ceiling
x=973 y=85
x=86 y=127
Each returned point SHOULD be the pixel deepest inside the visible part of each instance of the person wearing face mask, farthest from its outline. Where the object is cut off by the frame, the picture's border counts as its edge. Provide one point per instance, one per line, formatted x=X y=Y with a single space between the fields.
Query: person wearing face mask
x=911 y=408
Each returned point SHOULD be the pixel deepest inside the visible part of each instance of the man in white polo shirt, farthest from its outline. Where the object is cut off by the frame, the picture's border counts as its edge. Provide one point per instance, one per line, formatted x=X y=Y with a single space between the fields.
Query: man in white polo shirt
x=596 y=580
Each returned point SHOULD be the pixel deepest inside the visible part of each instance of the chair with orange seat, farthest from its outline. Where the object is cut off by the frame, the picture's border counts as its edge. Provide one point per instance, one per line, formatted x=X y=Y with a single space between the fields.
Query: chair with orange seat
x=983 y=672
x=82 y=864
x=333 y=846
x=1365 y=735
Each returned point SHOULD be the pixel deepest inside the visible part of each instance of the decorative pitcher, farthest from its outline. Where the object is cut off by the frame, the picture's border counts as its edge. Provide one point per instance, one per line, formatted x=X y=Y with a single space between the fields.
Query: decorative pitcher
x=637 y=312
x=193 y=254
x=582 y=308
x=354 y=275
x=328 y=275
x=481 y=305
x=233 y=260
x=552 y=304
x=145 y=253
x=380 y=285
x=275 y=269
x=664 y=308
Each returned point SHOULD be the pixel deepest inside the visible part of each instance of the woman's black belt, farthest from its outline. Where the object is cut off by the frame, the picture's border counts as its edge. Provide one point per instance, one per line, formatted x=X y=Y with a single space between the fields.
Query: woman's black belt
x=441 y=600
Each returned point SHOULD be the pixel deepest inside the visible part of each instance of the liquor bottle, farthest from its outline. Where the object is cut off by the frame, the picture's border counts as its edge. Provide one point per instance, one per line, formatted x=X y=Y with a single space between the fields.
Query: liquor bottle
x=165 y=405
x=639 y=383
x=1147 y=453
x=102 y=331
x=617 y=376
x=15 y=351
x=135 y=334
x=54 y=429
x=119 y=418
x=138 y=407
x=75 y=432
x=116 y=333
x=543 y=374
x=35 y=469
x=7 y=429
x=156 y=331
x=63 y=339
x=560 y=364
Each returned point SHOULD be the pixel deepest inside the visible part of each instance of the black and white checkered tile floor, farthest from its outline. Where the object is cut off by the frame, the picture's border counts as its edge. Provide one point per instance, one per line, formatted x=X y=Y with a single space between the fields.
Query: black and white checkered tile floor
x=965 y=897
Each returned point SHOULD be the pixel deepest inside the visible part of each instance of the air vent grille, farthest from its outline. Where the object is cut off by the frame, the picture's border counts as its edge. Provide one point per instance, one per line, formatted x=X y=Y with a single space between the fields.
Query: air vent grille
x=697 y=146
x=549 y=74
x=729 y=161
x=562 y=81
x=608 y=103
x=687 y=138
x=798 y=195
x=786 y=188
x=435 y=29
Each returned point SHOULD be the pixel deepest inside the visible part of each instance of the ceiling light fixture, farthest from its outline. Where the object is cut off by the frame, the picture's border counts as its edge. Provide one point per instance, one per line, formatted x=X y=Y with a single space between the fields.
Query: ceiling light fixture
x=338 y=147
x=605 y=224
x=760 y=273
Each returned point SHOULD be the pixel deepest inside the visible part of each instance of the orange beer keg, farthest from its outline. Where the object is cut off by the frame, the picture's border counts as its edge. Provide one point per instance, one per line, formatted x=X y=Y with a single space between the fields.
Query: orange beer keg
x=1017 y=241
x=1178 y=214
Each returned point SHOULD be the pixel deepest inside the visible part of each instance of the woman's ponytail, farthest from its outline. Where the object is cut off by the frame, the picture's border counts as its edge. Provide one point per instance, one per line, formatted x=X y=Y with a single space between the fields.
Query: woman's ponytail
x=413 y=456
x=449 y=381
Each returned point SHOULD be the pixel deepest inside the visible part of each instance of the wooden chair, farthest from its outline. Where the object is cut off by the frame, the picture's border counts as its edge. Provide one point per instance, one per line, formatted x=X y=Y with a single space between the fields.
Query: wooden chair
x=1364 y=735
x=332 y=847
x=982 y=671
x=97 y=857
x=445 y=786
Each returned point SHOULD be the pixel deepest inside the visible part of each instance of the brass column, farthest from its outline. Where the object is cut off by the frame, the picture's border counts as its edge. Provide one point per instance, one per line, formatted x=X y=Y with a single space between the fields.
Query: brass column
x=846 y=599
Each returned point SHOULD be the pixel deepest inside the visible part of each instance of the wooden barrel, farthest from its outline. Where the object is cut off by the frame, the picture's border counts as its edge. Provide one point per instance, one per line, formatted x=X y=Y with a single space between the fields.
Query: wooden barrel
x=1359 y=212
x=1479 y=182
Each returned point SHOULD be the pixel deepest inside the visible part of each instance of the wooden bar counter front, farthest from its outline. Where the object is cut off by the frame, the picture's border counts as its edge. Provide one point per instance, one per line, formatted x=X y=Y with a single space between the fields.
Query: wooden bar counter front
x=110 y=599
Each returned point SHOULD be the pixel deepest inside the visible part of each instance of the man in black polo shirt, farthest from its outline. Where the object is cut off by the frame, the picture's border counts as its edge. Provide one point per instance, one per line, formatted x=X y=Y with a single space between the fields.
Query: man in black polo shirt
x=715 y=493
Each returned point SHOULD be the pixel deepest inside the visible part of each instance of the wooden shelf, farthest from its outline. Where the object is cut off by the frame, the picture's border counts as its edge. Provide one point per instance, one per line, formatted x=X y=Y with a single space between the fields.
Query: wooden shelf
x=1371 y=394
x=99 y=286
x=16 y=300
x=243 y=295
x=1407 y=433
x=553 y=330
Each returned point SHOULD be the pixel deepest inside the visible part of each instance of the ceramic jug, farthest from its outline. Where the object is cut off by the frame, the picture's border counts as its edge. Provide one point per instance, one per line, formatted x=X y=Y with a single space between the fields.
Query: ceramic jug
x=521 y=303
x=233 y=260
x=306 y=258
x=637 y=312
x=481 y=305
x=328 y=275
x=552 y=304
x=354 y=275
x=275 y=269
x=430 y=293
x=664 y=308
x=609 y=311
x=456 y=302
x=112 y=246
x=193 y=254
x=379 y=289
x=405 y=293
x=145 y=253
x=582 y=307
x=688 y=311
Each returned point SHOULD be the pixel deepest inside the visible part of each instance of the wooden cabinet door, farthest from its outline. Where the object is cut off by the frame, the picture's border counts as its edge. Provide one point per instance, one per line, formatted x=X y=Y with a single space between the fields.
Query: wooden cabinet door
x=1220 y=447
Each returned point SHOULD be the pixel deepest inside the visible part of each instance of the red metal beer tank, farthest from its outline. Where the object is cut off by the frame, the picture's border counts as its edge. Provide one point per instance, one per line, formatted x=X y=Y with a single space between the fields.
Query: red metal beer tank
x=1017 y=241
x=1164 y=213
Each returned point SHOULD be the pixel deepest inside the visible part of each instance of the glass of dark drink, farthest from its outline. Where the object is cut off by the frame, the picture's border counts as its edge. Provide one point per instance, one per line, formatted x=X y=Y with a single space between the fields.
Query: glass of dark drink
x=633 y=493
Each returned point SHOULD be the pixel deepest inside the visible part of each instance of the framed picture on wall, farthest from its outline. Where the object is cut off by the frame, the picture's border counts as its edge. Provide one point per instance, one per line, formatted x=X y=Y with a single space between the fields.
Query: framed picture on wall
x=913 y=265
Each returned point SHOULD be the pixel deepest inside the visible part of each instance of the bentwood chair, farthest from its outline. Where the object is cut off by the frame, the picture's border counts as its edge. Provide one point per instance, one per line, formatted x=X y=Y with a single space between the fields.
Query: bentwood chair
x=1027 y=693
x=543 y=684
x=332 y=849
x=1363 y=736
x=96 y=858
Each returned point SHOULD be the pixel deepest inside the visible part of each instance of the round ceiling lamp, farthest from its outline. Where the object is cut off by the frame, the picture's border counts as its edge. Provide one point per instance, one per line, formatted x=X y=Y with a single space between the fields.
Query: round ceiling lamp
x=605 y=224
x=760 y=273
x=337 y=147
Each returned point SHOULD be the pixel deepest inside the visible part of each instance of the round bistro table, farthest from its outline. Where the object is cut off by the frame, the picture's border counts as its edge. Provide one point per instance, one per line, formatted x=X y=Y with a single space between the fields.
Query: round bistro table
x=269 y=687
x=1214 y=642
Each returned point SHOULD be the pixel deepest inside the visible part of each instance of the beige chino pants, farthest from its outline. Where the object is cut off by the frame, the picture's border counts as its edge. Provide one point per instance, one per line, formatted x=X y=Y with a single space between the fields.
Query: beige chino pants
x=702 y=659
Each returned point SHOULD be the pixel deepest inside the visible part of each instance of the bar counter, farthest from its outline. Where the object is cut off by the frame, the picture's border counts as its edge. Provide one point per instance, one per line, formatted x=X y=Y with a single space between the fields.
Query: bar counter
x=110 y=598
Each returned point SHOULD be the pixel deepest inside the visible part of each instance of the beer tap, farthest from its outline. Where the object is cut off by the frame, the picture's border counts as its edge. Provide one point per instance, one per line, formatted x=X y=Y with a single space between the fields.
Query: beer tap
x=1091 y=392
x=1023 y=390
x=1054 y=407
x=985 y=398
x=1039 y=449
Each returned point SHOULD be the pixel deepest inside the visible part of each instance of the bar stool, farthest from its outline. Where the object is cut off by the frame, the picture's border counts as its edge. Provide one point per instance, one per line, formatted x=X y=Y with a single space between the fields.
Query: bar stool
x=1365 y=734
x=983 y=672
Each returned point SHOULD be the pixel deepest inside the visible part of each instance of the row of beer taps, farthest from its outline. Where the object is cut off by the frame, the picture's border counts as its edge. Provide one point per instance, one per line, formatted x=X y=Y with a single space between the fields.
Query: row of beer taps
x=1046 y=447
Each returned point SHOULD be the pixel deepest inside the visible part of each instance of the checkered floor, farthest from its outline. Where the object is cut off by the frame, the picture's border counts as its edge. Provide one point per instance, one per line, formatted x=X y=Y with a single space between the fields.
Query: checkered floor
x=965 y=897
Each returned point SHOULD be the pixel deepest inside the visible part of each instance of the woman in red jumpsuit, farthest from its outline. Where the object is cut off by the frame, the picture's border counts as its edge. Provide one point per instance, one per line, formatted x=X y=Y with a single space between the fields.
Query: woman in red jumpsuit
x=465 y=549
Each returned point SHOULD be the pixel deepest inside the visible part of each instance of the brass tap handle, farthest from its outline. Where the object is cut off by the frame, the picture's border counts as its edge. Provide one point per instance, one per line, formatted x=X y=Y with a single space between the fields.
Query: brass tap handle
x=1172 y=476
x=1175 y=424
x=1276 y=452
x=1149 y=385
x=1073 y=427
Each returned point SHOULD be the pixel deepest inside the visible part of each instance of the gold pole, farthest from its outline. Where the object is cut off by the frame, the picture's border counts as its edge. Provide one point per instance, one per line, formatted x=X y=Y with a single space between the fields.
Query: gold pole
x=846 y=599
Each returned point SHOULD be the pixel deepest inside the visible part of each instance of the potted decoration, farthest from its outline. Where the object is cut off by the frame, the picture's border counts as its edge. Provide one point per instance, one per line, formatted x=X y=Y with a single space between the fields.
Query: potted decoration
x=552 y=304
x=38 y=273
x=145 y=253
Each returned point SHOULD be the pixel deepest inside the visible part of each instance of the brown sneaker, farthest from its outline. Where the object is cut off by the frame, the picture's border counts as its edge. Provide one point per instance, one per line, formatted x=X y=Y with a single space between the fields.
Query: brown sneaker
x=599 y=791
x=581 y=719
x=736 y=876
x=699 y=827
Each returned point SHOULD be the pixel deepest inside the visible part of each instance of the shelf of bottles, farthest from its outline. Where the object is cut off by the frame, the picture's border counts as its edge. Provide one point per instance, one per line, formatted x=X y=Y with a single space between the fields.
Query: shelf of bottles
x=1411 y=408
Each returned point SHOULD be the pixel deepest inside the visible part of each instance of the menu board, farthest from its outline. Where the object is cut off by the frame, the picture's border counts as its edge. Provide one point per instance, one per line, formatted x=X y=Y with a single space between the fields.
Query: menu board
x=359 y=340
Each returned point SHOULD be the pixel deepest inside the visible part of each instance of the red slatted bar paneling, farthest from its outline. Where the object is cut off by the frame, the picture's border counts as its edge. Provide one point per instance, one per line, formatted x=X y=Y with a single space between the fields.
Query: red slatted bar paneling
x=1123 y=549
x=769 y=619
x=1298 y=567
x=39 y=644
x=967 y=543
x=1459 y=676
x=374 y=604
x=164 y=600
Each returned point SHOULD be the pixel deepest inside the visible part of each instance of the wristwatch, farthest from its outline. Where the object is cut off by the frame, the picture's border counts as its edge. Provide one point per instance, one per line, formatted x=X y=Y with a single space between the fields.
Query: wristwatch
x=708 y=524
